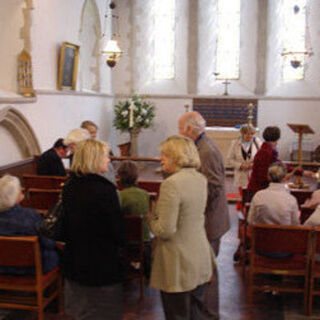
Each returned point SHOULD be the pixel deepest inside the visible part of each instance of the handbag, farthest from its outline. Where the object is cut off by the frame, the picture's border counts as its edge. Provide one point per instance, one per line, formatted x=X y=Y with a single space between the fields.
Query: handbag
x=52 y=223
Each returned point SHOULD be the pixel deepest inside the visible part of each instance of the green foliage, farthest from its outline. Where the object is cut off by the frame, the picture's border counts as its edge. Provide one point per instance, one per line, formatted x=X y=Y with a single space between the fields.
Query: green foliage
x=143 y=114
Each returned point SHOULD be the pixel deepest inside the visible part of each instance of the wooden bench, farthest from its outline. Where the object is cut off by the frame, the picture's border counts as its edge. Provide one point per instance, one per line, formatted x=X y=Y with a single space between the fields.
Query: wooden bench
x=41 y=199
x=42 y=182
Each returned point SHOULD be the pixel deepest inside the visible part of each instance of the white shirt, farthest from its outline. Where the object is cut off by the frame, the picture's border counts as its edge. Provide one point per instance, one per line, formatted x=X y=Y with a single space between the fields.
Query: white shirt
x=314 y=219
x=274 y=205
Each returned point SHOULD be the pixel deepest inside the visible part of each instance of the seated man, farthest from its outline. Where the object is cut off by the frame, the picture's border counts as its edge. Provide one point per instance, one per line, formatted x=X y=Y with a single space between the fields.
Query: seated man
x=274 y=205
x=18 y=221
x=50 y=163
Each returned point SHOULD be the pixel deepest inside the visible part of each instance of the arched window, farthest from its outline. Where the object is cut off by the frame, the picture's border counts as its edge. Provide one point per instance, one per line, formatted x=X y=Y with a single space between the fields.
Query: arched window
x=228 y=39
x=164 y=39
x=294 y=39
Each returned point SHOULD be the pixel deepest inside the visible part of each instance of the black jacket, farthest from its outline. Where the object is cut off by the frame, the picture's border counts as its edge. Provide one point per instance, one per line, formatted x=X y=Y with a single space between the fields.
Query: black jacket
x=50 y=164
x=93 y=230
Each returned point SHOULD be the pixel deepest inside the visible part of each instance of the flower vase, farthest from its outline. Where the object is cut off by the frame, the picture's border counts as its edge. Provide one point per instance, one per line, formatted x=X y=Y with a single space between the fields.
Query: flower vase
x=134 y=142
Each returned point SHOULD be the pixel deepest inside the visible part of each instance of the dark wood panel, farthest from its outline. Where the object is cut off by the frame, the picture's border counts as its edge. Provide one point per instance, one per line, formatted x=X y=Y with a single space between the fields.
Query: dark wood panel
x=19 y=168
x=225 y=112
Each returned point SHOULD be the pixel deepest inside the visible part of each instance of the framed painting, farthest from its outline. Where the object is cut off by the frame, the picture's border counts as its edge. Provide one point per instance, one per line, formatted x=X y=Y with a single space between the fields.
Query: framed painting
x=68 y=66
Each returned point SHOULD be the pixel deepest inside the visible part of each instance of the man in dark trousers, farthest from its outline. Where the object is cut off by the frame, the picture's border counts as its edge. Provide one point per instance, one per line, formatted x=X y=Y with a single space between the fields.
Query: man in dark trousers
x=50 y=162
x=217 y=222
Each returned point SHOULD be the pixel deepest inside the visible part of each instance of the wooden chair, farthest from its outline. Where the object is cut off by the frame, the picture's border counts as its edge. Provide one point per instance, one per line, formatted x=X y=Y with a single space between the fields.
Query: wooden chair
x=271 y=240
x=135 y=249
x=151 y=186
x=315 y=268
x=43 y=182
x=41 y=199
x=38 y=289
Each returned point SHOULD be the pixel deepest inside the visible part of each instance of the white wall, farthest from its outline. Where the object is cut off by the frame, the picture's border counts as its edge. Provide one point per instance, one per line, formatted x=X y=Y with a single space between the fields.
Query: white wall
x=54 y=113
x=11 y=152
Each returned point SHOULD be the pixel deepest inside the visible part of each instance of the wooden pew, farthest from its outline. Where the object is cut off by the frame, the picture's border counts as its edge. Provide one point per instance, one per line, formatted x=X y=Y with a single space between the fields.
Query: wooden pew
x=41 y=199
x=42 y=182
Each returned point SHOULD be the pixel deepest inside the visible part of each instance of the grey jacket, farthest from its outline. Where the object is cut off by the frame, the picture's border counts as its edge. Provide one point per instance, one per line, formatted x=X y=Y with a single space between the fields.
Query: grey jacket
x=217 y=213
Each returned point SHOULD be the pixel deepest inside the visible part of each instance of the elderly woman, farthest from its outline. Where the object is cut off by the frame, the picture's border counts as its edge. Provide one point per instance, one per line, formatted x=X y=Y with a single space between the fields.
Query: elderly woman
x=183 y=258
x=18 y=221
x=241 y=154
x=93 y=230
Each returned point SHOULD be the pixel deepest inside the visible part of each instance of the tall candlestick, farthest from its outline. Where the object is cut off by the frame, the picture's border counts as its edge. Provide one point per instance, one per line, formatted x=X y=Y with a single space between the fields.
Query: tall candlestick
x=131 y=122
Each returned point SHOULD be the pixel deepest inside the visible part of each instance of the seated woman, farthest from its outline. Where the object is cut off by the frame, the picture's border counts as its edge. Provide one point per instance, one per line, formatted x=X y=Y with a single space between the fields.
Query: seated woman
x=133 y=200
x=18 y=221
x=94 y=235
x=91 y=127
x=183 y=261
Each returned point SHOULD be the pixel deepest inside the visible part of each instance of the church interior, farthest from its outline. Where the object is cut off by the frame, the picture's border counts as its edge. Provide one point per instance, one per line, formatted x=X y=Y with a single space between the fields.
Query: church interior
x=59 y=68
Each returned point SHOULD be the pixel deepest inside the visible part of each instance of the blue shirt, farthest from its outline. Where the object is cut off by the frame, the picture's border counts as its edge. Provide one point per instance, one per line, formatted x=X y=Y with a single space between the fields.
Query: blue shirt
x=19 y=221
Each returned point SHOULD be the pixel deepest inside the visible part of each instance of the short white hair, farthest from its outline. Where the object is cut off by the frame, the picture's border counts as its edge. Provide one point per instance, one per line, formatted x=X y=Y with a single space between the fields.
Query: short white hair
x=77 y=135
x=277 y=171
x=195 y=121
x=10 y=189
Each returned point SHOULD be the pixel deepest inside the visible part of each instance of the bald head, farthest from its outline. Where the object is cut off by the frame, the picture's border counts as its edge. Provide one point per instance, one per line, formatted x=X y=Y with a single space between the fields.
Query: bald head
x=191 y=125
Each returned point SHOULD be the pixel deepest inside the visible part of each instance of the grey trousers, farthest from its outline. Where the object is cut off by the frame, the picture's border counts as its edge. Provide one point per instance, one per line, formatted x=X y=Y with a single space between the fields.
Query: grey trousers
x=212 y=290
x=93 y=303
x=185 y=305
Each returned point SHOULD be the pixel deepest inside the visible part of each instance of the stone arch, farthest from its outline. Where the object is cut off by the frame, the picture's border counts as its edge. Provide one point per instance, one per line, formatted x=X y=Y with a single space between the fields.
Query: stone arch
x=89 y=36
x=15 y=122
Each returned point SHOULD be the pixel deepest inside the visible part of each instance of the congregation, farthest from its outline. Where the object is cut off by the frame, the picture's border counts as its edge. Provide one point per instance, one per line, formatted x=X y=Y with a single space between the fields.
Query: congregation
x=182 y=230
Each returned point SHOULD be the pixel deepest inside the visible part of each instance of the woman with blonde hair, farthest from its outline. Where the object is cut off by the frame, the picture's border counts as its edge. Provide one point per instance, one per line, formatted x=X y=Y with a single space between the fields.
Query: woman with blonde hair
x=183 y=258
x=241 y=154
x=93 y=230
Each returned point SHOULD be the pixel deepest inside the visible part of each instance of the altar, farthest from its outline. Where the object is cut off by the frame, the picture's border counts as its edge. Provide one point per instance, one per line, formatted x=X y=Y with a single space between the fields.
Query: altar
x=223 y=137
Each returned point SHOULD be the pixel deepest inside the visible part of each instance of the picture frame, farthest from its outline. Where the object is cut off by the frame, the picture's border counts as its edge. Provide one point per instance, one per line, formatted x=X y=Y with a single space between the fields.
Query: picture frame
x=68 y=66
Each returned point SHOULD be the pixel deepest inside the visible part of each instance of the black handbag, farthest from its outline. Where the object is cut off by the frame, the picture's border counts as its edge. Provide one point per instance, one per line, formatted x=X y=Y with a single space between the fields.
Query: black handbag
x=52 y=223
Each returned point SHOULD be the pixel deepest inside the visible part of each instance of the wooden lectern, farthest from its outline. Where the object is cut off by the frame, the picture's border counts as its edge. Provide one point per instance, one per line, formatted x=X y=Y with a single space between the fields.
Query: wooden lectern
x=300 y=129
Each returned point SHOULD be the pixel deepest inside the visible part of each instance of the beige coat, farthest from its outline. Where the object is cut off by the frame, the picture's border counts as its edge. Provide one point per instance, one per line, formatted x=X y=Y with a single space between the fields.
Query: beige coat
x=183 y=258
x=235 y=158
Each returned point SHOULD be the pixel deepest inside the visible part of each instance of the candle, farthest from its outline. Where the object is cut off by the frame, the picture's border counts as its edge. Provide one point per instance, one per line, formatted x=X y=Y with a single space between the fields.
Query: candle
x=131 y=122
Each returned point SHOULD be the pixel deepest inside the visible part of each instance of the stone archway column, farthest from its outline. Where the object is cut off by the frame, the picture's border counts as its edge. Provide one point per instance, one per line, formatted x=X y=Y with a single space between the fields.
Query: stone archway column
x=15 y=122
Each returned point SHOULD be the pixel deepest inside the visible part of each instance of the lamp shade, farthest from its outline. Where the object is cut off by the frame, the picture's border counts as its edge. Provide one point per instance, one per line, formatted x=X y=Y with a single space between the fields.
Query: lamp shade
x=111 y=48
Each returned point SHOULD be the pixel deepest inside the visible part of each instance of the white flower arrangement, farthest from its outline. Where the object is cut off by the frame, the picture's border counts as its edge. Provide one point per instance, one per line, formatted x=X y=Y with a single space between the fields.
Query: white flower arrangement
x=135 y=113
